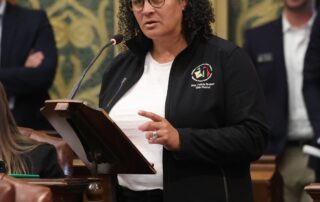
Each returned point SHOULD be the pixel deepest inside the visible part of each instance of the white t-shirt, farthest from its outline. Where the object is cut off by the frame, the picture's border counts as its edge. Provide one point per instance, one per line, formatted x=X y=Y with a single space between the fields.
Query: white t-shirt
x=148 y=94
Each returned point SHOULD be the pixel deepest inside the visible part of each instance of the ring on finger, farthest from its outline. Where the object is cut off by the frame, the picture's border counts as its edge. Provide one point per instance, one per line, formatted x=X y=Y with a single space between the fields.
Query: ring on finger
x=154 y=135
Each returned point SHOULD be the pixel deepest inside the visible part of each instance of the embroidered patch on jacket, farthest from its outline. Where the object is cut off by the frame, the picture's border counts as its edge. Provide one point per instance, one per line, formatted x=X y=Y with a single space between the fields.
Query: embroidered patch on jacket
x=200 y=75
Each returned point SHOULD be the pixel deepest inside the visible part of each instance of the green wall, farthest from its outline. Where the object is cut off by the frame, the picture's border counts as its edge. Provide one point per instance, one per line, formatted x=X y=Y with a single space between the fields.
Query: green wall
x=81 y=28
x=244 y=14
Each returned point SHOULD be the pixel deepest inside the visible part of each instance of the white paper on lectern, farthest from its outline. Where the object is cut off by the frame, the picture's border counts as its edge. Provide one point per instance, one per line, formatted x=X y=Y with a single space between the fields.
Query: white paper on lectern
x=74 y=142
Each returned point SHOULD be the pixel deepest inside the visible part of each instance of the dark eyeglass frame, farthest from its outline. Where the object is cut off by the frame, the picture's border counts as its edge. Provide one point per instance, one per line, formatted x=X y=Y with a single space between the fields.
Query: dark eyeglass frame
x=142 y=4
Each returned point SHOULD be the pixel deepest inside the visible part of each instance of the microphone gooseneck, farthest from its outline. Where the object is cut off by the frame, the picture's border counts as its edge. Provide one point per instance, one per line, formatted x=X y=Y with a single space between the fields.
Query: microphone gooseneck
x=115 y=40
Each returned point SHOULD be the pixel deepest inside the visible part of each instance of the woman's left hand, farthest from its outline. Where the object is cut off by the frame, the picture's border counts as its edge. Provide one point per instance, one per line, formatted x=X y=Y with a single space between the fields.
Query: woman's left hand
x=160 y=131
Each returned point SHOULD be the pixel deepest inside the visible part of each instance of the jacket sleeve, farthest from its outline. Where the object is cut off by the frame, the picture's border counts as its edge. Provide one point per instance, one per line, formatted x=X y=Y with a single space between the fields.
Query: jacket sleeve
x=21 y=80
x=50 y=166
x=43 y=160
x=244 y=136
x=311 y=82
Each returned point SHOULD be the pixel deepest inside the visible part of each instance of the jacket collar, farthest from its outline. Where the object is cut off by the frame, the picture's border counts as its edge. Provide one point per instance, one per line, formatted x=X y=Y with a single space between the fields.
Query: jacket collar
x=140 y=44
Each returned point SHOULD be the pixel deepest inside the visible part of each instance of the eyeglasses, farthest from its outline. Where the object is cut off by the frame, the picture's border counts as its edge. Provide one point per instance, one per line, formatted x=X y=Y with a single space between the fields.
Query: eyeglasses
x=137 y=5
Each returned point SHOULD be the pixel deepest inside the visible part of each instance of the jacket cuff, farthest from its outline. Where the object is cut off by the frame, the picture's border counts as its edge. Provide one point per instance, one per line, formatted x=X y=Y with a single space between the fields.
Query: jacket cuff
x=185 y=139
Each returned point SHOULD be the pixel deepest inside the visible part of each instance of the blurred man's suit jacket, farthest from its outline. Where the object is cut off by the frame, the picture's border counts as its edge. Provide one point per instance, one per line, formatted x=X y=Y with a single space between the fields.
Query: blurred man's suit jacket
x=23 y=32
x=311 y=86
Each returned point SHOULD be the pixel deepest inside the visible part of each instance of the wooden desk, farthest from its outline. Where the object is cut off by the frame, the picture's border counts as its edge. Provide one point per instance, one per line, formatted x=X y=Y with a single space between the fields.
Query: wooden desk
x=314 y=191
x=266 y=180
x=65 y=190
x=81 y=171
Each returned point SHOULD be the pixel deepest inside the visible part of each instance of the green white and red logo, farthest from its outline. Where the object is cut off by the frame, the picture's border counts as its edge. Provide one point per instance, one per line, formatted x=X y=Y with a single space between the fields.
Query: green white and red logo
x=202 y=73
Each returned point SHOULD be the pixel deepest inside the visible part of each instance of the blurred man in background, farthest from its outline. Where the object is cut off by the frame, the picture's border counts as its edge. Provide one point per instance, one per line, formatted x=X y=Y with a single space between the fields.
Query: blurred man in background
x=278 y=51
x=28 y=62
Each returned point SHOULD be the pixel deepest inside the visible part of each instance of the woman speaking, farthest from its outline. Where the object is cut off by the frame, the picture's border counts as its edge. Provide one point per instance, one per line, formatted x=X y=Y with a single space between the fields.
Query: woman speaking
x=189 y=101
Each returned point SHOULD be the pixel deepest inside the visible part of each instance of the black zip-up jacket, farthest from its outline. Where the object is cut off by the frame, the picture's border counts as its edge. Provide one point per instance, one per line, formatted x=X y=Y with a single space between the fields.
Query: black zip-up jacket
x=215 y=102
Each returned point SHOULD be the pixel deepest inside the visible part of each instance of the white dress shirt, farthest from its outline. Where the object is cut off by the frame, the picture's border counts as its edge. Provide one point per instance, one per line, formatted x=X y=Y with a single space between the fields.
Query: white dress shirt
x=296 y=40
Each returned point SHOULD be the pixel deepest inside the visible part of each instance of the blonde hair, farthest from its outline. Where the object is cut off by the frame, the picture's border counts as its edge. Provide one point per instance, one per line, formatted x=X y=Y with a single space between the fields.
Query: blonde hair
x=12 y=143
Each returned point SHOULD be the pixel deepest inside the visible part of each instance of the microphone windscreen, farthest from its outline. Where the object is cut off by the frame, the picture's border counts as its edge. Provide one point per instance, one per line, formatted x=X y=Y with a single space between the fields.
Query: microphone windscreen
x=117 y=39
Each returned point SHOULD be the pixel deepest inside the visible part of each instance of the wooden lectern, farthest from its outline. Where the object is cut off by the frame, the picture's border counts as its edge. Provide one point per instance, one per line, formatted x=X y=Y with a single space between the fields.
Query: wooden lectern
x=95 y=138
x=97 y=141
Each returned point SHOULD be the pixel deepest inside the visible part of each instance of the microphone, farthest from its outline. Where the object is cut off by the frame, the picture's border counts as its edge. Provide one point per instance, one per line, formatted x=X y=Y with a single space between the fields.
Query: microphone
x=115 y=40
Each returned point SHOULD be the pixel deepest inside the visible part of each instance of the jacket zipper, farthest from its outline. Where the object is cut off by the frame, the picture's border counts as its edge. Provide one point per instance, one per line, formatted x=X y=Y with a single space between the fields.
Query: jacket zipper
x=124 y=80
x=225 y=184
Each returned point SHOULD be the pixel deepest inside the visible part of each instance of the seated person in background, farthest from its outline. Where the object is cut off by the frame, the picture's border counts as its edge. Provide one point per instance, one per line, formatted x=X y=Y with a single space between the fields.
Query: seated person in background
x=65 y=153
x=24 y=155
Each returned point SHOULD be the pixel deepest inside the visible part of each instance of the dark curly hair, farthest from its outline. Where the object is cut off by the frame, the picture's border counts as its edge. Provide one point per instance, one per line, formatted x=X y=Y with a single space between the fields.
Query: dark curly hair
x=198 y=14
